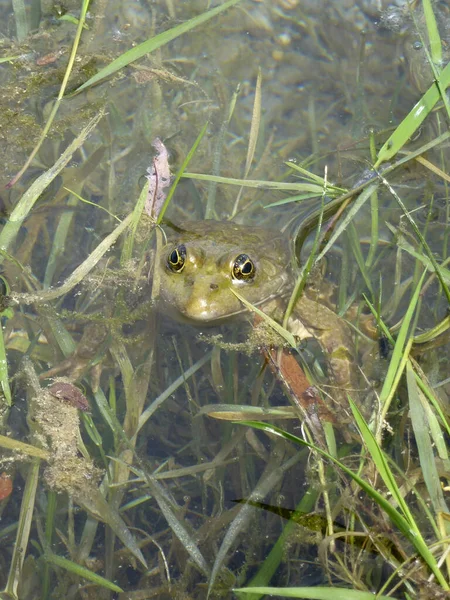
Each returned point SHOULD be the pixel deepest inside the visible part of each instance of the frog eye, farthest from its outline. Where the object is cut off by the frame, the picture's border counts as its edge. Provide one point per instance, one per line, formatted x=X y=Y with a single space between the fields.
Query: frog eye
x=177 y=259
x=243 y=268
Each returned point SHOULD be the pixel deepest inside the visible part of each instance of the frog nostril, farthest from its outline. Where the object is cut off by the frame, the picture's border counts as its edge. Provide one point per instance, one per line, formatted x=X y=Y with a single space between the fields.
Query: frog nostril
x=213 y=286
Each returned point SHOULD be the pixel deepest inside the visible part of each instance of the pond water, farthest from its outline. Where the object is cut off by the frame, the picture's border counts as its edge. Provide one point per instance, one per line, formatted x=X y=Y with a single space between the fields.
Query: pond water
x=155 y=487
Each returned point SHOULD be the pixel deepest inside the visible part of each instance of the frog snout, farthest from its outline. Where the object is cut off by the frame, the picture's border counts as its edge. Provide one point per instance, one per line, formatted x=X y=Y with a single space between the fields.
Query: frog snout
x=206 y=300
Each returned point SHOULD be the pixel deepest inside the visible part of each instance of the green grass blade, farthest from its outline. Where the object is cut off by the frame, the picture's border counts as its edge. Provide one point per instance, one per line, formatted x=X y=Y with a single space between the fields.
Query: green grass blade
x=290 y=199
x=79 y=571
x=397 y=354
x=253 y=137
x=312 y=177
x=217 y=151
x=414 y=119
x=4 y=378
x=343 y=223
x=258 y=184
x=154 y=43
x=428 y=393
x=96 y=505
x=422 y=427
x=138 y=209
x=176 y=523
x=49 y=528
x=21 y=448
x=178 y=176
x=20 y=17
x=54 y=324
x=374 y=210
x=284 y=333
x=381 y=464
x=181 y=380
x=358 y=255
x=301 y=279
x=255 y=123
x=433 y=33
x=82 y=270
x=105 y=410
x=434 y=55
x=9 y=58
x=23 y=530
x=314 y=593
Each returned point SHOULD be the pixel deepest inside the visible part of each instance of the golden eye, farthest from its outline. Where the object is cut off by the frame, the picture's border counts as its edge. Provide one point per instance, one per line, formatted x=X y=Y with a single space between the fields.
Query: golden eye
x=243 y=268
x=177 y=259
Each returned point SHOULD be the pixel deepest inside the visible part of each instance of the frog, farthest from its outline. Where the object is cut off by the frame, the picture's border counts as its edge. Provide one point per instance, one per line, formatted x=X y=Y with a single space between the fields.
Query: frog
x=201 y=264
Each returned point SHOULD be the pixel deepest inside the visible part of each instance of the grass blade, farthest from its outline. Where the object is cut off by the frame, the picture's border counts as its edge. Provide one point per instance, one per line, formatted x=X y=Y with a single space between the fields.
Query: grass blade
x=253 y=138
x=404 y=245
x=414 y=119
x=81 y=271
x=381 y=464
x=313 y=178
x=395 y=364
x=20 y=16
x=314 y=593
x=153 y=406
x=23 y=531
x=421 y=427
x=254 y=128
x=258 y=184
x=27 y=201
x=185 y=537
x=343 y=224
x=156 y=42
x=96 y=505
x=284 y=333
x=21 y=448
x=180 y=173
x=4 y=379
x=433 y=33
x=76 y=569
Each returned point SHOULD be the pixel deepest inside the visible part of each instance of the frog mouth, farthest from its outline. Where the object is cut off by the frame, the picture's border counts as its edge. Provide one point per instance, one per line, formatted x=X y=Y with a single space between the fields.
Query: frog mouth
x=208 y=315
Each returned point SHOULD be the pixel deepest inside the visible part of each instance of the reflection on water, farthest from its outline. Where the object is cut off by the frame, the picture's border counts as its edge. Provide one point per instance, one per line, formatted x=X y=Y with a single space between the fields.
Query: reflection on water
x=336 y=77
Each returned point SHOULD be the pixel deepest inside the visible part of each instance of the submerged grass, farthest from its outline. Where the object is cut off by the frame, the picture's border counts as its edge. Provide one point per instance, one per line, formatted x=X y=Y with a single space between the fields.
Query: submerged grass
x=403 y=518
x=62 y=90
x=154 y=43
